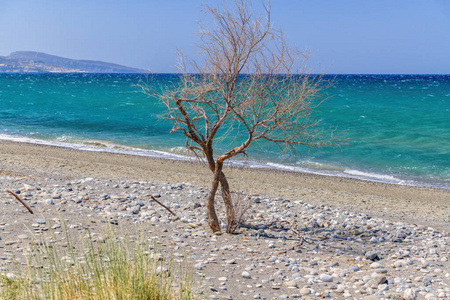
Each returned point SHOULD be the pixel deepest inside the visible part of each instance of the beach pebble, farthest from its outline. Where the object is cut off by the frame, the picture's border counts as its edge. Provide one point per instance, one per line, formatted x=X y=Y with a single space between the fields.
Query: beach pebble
x=376 y=265
x=427 y=281
x=325 y=278
x=305 y=291
x=49 y=202
x=398 y=264
x=353 y=268
x=374 y=240
x=410 y=294
x=136 y=209
x=291 y=284
x=371 y=255
x=161 y=270
x=379 y=279
x=333 y=253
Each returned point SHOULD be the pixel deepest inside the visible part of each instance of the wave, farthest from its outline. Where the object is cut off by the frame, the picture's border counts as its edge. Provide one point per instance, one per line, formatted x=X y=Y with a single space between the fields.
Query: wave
x=175 y=154
x=348 y=173
x=95 y=146
x=374 y=176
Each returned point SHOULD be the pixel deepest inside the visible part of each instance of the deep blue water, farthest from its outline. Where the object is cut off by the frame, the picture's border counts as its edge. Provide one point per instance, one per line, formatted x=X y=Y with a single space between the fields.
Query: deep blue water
x=398 y=126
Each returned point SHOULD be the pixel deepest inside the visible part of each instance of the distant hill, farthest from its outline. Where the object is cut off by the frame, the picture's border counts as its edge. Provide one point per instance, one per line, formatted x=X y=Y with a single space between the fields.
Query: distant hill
x=38 y=62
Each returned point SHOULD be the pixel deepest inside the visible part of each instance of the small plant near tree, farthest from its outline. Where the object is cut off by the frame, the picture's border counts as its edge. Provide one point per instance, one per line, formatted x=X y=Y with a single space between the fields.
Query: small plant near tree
x=249 y=83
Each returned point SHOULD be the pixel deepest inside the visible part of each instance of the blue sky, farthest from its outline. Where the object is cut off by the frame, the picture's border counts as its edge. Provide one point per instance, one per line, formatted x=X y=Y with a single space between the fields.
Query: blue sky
x=345 y=36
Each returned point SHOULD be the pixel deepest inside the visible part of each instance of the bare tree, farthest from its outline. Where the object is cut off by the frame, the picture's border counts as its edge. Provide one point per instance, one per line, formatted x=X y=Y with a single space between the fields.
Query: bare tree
x=250 y=82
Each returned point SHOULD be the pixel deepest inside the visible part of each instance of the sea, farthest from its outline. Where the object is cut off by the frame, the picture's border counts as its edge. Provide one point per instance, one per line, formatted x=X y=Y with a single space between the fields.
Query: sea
x=396 y=127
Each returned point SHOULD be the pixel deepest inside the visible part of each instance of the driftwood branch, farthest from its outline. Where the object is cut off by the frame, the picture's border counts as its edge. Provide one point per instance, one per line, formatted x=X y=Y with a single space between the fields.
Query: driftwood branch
x=287 y=222
x=20 y=200
x=168 y=209
x=302 y=239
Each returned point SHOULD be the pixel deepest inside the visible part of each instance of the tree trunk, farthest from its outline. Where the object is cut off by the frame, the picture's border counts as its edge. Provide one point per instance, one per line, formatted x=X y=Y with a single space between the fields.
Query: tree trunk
x=229 y=208
x=219 y=177
x=213 y=221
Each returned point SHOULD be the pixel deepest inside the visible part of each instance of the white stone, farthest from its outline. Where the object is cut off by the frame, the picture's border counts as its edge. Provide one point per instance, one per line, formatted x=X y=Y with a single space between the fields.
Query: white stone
x=305 y=291
x=398 y=264
x=376 y=265
x=161 y=270
x=409 y=294
x=374 y=240
x=291 y=284
x=325 y=278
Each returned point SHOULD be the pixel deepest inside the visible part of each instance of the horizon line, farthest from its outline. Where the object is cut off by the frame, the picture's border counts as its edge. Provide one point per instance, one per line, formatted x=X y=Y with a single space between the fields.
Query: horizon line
x=174 y=73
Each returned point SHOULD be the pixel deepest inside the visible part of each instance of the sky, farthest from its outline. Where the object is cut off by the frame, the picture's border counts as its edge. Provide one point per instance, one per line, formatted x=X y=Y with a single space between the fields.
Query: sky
x=343 y=37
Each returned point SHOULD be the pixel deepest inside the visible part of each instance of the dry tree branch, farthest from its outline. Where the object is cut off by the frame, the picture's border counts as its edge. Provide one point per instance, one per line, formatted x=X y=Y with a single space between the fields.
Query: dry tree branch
x=302 y=238
x=168 y=209
x=283 y=221
x=20 y=200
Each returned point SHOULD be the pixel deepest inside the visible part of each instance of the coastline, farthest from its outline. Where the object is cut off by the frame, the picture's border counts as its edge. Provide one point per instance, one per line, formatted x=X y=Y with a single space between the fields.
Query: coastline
x=413 y=205
x=305 y=236
x=109 y=147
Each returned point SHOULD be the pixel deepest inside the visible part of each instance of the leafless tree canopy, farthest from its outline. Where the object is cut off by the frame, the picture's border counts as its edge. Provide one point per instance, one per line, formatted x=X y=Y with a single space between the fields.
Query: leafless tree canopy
x=249 y=81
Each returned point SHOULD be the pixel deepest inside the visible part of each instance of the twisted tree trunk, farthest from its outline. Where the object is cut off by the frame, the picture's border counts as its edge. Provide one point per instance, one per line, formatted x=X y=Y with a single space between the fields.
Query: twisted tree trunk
x=213 y=221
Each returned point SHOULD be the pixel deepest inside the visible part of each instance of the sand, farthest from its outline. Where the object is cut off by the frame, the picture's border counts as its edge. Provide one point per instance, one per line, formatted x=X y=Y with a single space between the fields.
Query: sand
x=413 y=205
x=347 y=238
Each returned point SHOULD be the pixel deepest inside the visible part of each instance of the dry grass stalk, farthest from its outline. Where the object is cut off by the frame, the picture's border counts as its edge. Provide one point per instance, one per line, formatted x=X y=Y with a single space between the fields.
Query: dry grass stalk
x=84 y=268
x=240 y=209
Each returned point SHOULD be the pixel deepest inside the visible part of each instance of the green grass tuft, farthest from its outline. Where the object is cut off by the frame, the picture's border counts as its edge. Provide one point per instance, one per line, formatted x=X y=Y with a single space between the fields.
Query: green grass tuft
x=86 y=267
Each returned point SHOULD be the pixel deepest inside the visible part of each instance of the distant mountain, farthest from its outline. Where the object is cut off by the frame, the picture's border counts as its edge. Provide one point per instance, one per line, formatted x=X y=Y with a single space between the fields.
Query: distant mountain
x=38 y=62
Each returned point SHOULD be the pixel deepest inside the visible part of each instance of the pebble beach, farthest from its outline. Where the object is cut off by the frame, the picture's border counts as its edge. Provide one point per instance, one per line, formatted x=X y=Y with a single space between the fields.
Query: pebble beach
x=305 y=236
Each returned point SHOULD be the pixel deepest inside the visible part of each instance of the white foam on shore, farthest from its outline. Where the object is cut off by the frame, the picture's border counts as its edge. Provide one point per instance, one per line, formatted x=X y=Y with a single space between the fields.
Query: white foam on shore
x=373 y=175
x=111 y=148
x=345 y=173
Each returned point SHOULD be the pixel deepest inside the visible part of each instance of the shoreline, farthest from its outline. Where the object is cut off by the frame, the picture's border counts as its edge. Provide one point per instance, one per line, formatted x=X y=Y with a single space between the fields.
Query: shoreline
x=412 y=204
x=109 y=147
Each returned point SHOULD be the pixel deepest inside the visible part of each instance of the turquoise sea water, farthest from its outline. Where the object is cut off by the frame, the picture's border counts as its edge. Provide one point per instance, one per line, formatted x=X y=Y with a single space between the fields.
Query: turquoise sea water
x=398 y=126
